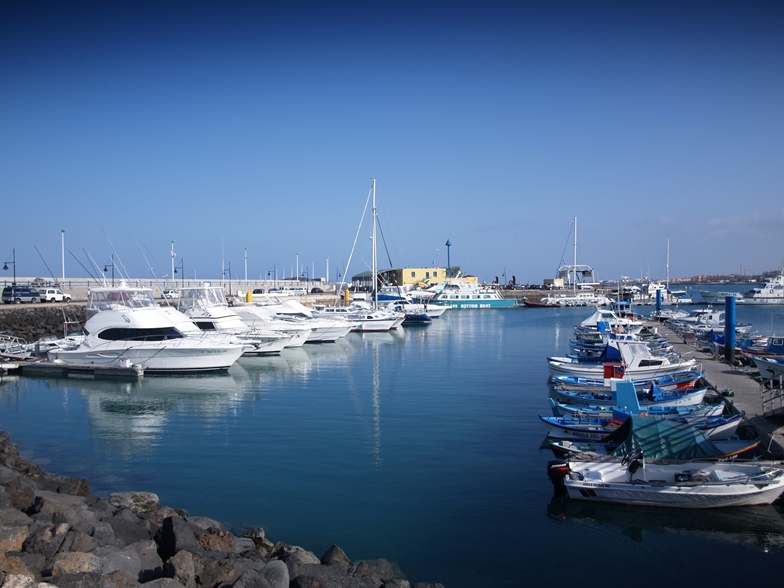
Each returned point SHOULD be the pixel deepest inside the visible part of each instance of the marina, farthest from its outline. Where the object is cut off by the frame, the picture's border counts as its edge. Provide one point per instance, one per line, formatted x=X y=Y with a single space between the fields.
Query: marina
x=412 y=437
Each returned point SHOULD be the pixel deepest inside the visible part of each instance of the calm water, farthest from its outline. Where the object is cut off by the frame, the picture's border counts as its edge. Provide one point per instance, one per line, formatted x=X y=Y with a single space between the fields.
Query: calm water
x=422 y=447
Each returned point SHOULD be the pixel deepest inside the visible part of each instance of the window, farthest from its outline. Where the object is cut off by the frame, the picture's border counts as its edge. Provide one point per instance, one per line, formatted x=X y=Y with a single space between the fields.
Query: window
x=435 y=274
x=427 y=275
x=413 y=274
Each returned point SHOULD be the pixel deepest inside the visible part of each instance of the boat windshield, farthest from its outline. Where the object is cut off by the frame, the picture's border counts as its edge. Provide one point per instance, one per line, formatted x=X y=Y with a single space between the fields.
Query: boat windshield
x=124 y=299
x=201 y=299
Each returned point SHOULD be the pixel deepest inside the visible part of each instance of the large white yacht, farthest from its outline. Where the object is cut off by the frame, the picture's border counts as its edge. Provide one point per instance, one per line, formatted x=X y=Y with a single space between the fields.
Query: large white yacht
x=126 y=326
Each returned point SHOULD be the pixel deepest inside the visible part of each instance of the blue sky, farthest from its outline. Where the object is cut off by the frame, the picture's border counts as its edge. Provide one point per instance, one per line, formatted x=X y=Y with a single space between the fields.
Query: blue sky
x=259 y=125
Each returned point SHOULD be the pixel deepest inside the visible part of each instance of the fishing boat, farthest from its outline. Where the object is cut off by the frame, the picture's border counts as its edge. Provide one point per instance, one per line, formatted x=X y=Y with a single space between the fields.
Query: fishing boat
x=684 y=380
x=666 y=464
x=636 y=361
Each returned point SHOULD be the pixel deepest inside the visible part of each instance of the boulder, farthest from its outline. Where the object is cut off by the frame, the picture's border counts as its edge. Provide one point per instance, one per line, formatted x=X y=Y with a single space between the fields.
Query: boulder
x=125 y=561
x=150 y=561
x=182 y=568
x=137 y=502
x=176 y=534
x=75 y=562
x=12 y=564
x=12 y=517
x=321 y=576
x=378 y=570
x=205 y=523
x=335 y=555
x=79 y=580
x=12 y=538
x=220 y=541
x=128 y=528
x=45 y=539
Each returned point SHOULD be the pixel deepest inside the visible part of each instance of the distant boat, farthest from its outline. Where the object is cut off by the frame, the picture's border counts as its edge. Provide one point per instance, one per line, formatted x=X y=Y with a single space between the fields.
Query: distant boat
x=711 y=297
x=770 y=293
x=461 y=294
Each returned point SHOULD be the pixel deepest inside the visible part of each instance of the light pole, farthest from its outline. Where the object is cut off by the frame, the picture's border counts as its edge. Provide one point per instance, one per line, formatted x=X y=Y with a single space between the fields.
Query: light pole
x=246 y=265
x=173 y=255
x=182 y=271
x=62 y=251
x=13 y=263
x=297 y=274
x=106 y=267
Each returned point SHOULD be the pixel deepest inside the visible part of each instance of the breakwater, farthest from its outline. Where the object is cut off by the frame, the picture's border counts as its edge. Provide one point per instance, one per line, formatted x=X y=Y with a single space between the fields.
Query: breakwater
x=54 y=532
x=33 y=321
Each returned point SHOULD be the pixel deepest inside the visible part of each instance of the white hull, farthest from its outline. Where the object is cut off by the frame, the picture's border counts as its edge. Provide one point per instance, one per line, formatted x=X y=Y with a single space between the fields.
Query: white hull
x=559 y=368
x=180 y=355
x=703 y=485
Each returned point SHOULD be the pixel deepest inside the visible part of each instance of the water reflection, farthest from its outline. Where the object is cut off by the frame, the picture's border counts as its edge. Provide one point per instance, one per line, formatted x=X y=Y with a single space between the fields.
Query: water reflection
x=758 y=527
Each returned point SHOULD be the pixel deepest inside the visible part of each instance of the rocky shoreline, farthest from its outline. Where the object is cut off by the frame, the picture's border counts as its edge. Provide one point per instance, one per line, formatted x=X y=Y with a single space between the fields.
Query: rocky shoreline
x=53 y=532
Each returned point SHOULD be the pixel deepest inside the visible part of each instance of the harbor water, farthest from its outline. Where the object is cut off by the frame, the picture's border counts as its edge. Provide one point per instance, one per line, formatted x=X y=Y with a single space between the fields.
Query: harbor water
x=420 y=446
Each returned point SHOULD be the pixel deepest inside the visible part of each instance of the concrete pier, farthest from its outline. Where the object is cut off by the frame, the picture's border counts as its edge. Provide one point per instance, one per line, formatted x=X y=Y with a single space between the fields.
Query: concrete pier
x=748 y=395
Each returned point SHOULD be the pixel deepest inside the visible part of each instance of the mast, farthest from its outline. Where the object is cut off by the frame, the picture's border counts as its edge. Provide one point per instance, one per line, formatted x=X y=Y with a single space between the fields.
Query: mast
x=373 y=241
x=668 y=265
x=574 y=267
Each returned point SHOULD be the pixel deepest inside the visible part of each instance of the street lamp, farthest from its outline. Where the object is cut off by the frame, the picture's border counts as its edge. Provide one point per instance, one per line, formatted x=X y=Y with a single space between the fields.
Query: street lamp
x=106 y=267
x=13 y=263
x=62 y=252
x=182 y=271
x=173 y=255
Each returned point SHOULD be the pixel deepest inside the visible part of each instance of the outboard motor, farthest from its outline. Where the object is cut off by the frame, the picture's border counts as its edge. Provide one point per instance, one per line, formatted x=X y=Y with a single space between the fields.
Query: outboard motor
x=557 y=470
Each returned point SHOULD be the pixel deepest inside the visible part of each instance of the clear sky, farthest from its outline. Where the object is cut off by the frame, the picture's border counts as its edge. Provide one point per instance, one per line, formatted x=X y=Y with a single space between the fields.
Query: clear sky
x=227 y=126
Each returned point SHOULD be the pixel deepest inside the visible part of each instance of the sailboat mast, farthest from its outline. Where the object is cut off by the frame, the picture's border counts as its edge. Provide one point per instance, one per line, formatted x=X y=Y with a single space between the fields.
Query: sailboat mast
x=574 y=267
x=373 y=240
x=668 y=265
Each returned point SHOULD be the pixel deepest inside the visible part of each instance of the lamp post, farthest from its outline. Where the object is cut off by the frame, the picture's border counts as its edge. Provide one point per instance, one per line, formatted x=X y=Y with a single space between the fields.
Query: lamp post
x=106 y=267
x=182 y=271
x=13 y=263
x=246 y=265
x=173 y=255
x=62 y=251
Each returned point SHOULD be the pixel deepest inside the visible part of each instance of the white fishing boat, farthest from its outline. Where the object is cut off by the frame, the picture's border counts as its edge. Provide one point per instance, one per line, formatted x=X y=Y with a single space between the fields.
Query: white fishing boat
x=637 y=361
x=461 y=294
x=126 y=326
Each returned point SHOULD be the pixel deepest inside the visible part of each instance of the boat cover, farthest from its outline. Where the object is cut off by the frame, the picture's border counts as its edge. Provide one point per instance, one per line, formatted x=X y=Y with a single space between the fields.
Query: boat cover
x=661 y=439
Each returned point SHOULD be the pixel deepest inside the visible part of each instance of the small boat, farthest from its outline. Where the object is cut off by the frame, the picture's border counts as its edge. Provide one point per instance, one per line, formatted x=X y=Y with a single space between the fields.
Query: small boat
x=638 y=480
x=711 y=297
x=684 y=380
x=637 y=361
x=540 y=304
x=667 y=463
x=577 y=428
x=653 y=396
x=769 y=367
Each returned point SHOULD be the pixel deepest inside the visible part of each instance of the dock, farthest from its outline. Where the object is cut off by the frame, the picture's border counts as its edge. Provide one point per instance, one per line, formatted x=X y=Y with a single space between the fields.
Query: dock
x=61 y=370
x=741 y=392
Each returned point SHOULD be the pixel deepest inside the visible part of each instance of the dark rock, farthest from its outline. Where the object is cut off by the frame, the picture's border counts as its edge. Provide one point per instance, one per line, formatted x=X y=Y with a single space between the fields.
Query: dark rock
x=34 y=562
x=45 y=539
x=206 y=524
x=125 y=561
x=176 y=534
x=163 y=583
x=12 y=564
x=12 y=517
x=75 y=562
x=379 y=570
x=427 y=585
x=320 y=576
x=151 y=564
x=397 y=583
x=335 y=555
x=117 y=580
x=12 y=538
x=128 y=528
x=79 y=580
x=212 y=572
x=78 y=541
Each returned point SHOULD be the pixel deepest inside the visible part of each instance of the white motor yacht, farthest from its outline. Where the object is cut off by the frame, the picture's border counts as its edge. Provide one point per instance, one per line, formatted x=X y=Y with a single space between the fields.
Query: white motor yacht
x=126 y=326
x=207 y=307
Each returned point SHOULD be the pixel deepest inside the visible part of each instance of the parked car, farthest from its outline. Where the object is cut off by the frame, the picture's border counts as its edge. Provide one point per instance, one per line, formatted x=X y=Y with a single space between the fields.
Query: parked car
x=19 y=294
x=316 y=291
x=54 y=295
x=170 y=294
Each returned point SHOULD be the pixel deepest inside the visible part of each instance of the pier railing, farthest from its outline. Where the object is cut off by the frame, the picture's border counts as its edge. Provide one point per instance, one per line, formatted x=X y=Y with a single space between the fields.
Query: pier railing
x=772 y=396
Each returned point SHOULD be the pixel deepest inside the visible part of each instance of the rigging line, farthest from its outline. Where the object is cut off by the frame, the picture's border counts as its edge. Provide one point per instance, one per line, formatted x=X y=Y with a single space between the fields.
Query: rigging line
x=121 y=269
x=563 y=253
x=356 y=237
x=46 y=264
x=102 y=281
x=85 y=269
x=389 y=257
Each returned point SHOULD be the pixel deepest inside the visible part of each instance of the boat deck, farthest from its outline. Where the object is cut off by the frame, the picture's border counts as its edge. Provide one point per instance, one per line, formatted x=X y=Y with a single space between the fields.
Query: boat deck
x=748 y=394
x=61 y=370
